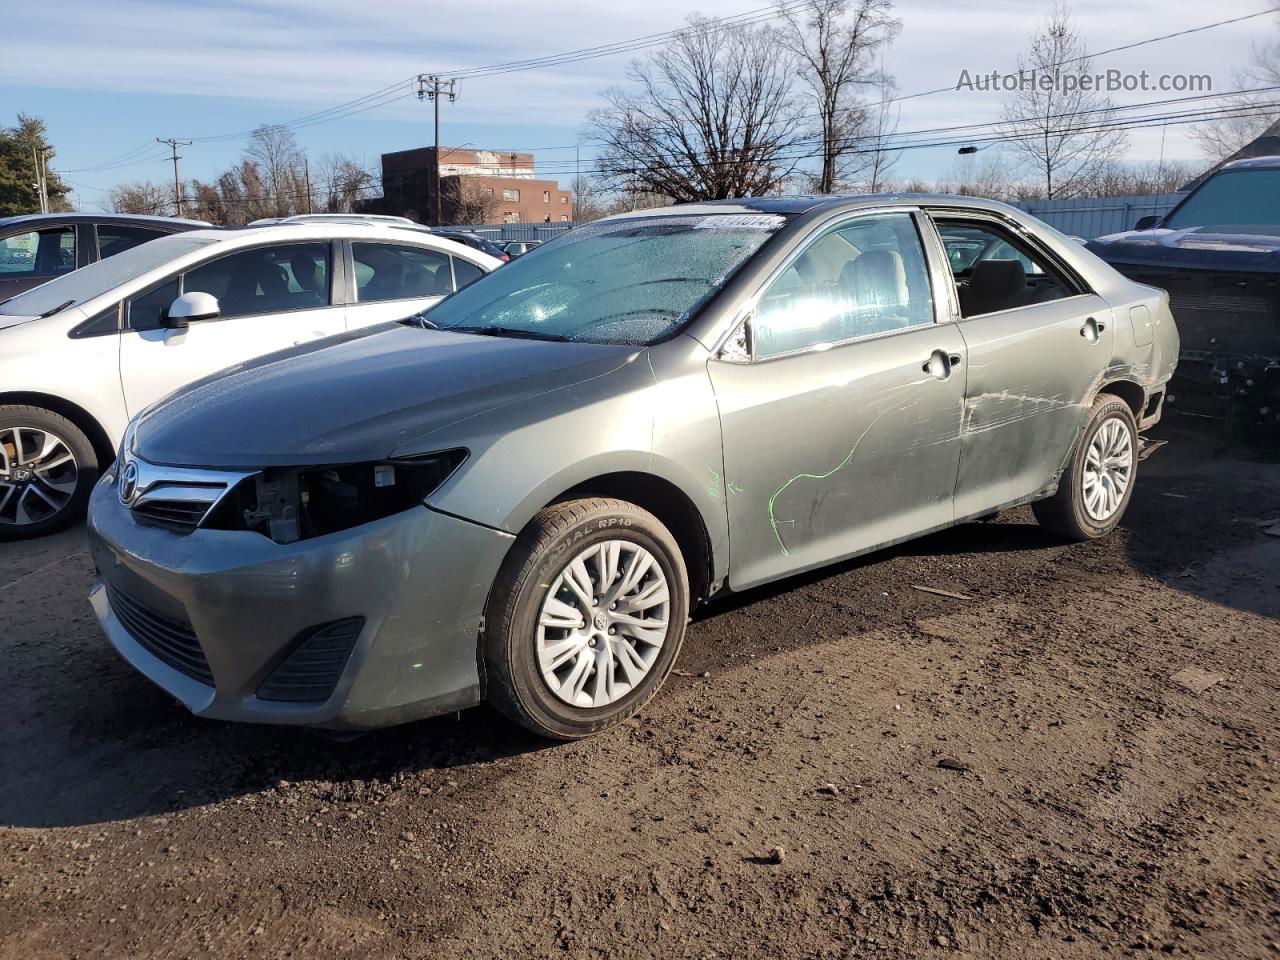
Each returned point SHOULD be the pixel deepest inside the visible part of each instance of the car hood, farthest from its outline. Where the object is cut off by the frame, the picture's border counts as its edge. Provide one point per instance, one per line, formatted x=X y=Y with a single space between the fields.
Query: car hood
x=7 y=321
x=1193 y=248
x=356 y=397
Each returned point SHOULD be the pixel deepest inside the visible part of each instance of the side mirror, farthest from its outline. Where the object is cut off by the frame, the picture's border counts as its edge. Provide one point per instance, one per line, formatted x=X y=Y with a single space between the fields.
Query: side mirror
x=1148 y=223
x=192 y=308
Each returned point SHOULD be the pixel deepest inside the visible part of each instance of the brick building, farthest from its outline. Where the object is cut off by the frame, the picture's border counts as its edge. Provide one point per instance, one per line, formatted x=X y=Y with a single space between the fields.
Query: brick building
x=475 y=185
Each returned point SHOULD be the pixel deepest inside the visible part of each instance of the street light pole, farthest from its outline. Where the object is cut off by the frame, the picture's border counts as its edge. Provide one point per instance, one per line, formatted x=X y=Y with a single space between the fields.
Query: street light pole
x=432 y=87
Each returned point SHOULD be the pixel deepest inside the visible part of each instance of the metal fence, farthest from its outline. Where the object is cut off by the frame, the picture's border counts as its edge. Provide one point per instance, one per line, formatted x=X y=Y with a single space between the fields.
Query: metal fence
x=501 y=232
x=1090 y=217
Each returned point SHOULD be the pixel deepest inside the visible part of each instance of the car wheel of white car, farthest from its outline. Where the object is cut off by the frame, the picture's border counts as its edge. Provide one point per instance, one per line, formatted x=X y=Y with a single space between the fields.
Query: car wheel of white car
x=586 y=618
x=1097 y=485
x=47 y=469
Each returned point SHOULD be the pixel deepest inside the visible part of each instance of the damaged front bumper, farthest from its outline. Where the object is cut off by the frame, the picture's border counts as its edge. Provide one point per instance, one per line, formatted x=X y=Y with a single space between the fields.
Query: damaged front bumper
x=378 y=624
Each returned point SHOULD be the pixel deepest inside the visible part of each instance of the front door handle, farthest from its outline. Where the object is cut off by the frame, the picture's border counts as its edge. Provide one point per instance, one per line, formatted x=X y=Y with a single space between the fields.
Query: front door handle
x=940 y=364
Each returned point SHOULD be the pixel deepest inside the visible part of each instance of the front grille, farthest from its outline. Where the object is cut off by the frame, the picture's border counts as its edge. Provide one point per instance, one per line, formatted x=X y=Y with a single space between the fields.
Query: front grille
x=181 y=516
x=311 y=671
x=167 y=640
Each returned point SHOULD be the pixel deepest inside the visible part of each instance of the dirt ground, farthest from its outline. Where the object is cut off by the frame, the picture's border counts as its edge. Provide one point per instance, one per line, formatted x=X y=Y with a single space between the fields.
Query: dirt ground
x=1014 y=775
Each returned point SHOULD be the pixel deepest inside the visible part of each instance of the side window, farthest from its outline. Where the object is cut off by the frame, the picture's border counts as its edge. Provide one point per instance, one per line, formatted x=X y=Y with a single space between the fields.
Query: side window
x=995 y=271
x=276 y=279
x=39 y=253
x=388 y=271
x=867 y=276
x=116 y=238
x=147 y=310
x=465 y=272
x=18 y=253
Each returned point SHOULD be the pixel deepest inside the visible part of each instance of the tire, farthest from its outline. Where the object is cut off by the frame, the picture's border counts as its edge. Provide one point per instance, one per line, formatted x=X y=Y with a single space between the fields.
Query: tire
x=41 y=494
x=1075 y=513
x=534 y=593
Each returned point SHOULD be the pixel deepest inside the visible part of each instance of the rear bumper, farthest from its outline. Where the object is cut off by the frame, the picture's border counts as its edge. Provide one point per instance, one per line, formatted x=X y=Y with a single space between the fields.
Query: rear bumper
x=419 y=580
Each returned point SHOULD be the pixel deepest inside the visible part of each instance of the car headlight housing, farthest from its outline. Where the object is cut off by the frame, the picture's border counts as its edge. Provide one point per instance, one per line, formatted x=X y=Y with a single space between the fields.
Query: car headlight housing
x=297 y=503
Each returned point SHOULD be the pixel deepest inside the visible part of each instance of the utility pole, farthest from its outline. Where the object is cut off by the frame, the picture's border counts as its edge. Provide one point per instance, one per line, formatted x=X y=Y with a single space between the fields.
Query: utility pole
x=42 y=190
x=306 y=172
x=433 y=88
x=177 y=183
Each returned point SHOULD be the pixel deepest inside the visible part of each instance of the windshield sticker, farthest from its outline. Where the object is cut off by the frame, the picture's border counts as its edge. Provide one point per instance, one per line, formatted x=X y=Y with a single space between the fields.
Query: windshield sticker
x=744 y=221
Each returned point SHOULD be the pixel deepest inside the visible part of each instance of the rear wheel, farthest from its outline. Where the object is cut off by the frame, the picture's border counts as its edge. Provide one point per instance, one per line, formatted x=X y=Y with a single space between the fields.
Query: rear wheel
x=47 y=469
x=1098 y=483
x=586 y=618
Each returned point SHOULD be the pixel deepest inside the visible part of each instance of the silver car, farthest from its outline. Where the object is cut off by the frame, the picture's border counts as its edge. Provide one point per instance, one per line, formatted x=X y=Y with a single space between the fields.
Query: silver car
x=520 y=496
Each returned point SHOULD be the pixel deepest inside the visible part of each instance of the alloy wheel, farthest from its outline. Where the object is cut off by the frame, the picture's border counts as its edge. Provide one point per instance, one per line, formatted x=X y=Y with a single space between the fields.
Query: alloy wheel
x=603 y=623
x=1108 y=469
x=38 y=475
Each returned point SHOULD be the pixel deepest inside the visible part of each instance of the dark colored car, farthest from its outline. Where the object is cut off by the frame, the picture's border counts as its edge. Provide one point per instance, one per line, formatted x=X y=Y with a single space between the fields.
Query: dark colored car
x=475 y=242
x=1218 y=254
x=38 y=247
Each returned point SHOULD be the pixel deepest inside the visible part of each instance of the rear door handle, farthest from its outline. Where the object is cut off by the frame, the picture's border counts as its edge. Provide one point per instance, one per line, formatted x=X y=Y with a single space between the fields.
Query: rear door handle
x=1091 y=329
x=940 y=364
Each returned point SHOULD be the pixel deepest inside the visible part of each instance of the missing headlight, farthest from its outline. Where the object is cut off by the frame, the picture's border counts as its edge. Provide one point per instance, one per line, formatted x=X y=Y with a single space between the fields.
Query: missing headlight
x=294 y=504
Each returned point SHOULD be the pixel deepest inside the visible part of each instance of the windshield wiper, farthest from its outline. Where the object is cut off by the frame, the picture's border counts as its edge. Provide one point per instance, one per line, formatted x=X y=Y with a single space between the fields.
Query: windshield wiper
x=492 y=331
x=60 y=307
x=419 y=320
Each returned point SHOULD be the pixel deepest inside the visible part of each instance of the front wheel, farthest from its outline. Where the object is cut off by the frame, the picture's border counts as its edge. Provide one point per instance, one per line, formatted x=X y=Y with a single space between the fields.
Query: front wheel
x=1097 y=485
x=585 y=619
x=47 y=469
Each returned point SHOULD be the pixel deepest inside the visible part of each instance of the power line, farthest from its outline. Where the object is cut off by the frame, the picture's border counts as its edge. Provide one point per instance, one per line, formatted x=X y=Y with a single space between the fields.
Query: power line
x=398 y=90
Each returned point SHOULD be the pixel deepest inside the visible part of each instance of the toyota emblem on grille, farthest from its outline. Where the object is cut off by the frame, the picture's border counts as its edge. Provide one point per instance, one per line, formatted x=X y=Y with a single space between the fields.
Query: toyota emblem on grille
x=128 y=482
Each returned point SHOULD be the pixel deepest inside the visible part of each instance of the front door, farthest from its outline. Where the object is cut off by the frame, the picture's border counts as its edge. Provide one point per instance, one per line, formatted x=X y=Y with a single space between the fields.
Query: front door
x=1038 y=345
x=841 y=432
x=271 y=298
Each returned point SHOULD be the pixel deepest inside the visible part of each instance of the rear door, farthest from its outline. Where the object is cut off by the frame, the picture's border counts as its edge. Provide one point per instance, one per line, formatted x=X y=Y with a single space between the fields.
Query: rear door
x=1038 y=342
x=271 y=297
x=29 y=257
x=112 y=238
x=396 y=280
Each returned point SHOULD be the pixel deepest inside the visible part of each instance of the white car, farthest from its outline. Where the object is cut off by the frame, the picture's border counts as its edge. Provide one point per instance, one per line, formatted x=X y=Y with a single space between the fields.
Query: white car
x=82 y=354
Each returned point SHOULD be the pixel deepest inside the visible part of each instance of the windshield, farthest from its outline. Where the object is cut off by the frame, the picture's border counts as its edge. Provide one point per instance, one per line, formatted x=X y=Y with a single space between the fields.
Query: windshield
x=622 y=281
x=96 y=278
x=1241 y=198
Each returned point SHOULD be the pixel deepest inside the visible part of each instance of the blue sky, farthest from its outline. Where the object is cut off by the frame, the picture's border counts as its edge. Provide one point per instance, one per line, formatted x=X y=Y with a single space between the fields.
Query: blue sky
x=109 y=77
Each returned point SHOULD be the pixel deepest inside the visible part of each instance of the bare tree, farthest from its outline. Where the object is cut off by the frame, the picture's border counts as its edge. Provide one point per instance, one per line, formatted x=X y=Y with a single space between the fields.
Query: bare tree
x=1253 y=113
x=712 y=117
x=274 y=151
x=143 y=197
x=590 y=199
x=466 y=201
x=877 y=142
x=984 y=174
x=345 y=183
x=834 y=43
x=1141 y=179
x=1055 y=118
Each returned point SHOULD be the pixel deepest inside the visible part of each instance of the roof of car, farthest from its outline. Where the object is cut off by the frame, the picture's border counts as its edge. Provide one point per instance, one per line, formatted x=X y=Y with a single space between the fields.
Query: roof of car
x=101 y=218
x=323 y=230
x=1253 y=163
x=805 y=204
